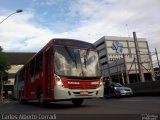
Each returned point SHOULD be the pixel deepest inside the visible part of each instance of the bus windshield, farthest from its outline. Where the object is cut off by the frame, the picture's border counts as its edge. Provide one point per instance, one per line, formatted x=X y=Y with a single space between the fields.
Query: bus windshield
x=76 y=62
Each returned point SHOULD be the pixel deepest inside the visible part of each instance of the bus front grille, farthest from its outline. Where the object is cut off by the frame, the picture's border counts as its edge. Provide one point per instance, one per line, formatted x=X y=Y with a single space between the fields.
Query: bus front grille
x=82 y=86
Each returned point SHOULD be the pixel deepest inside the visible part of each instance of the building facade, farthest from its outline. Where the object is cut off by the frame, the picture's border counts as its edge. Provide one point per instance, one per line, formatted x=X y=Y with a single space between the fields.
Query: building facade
x=119 y=61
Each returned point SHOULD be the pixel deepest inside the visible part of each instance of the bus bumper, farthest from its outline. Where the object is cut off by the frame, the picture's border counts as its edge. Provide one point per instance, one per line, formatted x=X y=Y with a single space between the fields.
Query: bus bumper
x=61 y=93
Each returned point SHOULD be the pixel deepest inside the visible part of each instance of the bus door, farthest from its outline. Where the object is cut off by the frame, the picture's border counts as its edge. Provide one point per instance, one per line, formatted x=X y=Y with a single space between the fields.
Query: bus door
x=31 y=80
x=48 y=73
x=26 y=81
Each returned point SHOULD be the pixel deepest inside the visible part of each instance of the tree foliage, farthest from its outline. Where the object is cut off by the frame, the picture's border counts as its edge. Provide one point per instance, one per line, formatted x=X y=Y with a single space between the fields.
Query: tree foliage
x=4 y=63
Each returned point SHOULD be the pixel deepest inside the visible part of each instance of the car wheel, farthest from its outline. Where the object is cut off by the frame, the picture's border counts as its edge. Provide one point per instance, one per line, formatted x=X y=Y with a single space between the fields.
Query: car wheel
x=118 y=95
x=22 y=101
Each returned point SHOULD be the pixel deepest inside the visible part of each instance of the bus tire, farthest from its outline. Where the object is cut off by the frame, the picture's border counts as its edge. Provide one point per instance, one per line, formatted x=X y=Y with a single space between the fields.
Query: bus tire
x=22 y=101
x=40 y=99
x=42 y=102
x=77 y=102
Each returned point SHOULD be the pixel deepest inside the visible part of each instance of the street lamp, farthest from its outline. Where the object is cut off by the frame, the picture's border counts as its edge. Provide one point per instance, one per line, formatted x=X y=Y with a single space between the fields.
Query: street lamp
x=1 y=81
x=17 y=11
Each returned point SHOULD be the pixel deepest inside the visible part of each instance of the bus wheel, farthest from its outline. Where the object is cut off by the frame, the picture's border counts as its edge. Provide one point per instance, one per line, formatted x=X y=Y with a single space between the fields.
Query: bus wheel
x=77 y=102
x=22 y=101
x=42 y=102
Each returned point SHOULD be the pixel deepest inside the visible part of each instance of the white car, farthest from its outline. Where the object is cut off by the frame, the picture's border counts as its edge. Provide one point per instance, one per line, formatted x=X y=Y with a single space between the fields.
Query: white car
x=122 y=89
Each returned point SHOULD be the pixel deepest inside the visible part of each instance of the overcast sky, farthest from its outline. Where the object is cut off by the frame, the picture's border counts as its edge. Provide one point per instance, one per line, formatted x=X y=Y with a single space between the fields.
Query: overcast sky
x=88 y=20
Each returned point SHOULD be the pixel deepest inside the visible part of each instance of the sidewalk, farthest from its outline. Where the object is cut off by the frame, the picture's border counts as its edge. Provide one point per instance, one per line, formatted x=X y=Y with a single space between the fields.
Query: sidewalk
x=4 y=101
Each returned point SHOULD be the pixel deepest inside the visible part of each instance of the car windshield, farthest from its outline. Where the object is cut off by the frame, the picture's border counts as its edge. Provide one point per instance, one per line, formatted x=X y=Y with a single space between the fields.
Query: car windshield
x=76 y=62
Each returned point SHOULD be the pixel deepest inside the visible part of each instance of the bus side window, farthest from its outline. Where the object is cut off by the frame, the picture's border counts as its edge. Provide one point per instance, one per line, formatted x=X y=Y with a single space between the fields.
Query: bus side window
x=52 y=50
x=38 y=66
x=15 y=81
x=21 y=75
x=32 y=67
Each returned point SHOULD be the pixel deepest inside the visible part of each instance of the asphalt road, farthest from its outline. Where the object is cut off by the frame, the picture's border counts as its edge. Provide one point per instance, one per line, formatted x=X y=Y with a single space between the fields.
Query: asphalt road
x=130 y=107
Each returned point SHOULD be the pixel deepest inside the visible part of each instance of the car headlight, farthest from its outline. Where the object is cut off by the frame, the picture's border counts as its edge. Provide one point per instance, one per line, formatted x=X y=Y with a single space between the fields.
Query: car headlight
x=115 y=88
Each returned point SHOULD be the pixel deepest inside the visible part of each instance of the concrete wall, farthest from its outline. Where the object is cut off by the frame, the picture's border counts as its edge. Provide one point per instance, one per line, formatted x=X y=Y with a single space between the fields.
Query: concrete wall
x=146 y=88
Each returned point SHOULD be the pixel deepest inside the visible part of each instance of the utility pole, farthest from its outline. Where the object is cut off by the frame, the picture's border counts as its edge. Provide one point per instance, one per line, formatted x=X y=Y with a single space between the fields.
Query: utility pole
x=151 y=64
x=126 y=71
x=118 y=72
x=122 y=70
x=141 y=75
x=136 y=70
x=157 y=59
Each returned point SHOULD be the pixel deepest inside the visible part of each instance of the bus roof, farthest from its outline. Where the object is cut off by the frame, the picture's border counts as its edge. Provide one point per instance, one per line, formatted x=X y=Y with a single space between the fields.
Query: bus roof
x=71 y=42
x=65 y=42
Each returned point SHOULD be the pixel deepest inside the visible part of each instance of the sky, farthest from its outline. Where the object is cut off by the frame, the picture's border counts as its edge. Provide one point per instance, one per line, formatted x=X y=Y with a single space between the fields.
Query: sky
x=87 y=20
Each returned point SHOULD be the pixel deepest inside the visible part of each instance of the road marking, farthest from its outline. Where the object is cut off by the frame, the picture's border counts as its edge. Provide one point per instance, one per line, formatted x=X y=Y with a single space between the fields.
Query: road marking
x=132 y=100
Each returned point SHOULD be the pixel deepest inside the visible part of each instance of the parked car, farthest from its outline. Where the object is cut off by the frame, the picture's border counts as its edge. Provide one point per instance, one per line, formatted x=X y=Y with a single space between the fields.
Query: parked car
x=122 y=89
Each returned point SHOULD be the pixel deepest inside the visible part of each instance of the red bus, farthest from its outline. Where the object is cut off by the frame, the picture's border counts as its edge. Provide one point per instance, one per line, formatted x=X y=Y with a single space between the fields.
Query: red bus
x=64 y=69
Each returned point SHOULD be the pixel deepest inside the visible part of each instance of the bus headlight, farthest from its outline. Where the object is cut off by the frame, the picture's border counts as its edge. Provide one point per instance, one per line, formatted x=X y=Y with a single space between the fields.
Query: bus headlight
x=59 y=83
x=58 y=80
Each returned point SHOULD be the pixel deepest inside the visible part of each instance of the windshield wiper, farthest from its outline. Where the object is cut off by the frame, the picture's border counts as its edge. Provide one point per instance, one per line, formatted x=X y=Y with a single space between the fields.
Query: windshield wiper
x=72 y=58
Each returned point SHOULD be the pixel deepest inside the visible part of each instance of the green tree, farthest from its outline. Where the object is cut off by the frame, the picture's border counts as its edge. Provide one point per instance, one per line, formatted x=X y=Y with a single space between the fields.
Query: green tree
x=1 y=49
x=4 y=66
x=4 y=63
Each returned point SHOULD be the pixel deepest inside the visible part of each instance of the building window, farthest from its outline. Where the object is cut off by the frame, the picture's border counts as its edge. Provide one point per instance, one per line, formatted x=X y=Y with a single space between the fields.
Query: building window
x=104 y=63
x=102 y=56
x=100 y=44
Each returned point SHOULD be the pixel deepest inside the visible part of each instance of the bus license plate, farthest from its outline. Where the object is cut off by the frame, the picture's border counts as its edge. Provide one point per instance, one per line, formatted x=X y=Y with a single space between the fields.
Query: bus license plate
x=84 y=93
